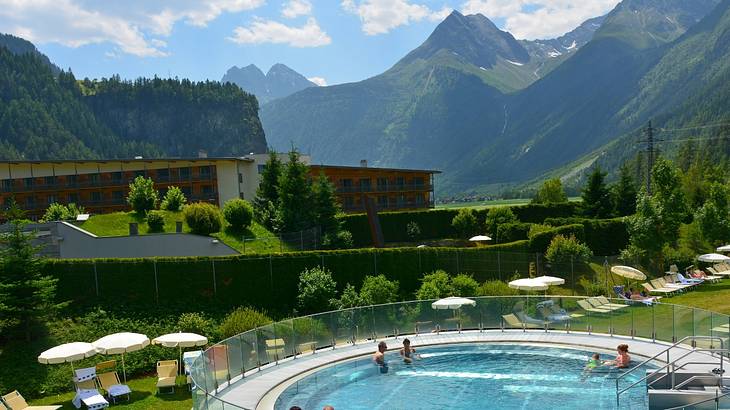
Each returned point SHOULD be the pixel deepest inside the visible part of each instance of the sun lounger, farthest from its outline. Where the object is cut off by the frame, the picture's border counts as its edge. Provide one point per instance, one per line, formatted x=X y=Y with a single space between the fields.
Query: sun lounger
x=682 y=279
x=698 y=274
x=651 y=289
x=114 y=388
x=722 y=269
x=275 y=349
x=512 y=321
x=671 y=281
x=605 y=302
x=599 y=305
x=590 y=308
x=15 y=401
x=660 y=283
x=551 y=316
x=166 y=375
x=91 y=398
x=719 y=273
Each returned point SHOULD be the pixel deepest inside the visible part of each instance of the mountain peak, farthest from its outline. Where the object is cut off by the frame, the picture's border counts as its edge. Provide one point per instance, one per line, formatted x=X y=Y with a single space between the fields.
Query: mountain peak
x=280 y=81
x=474 y=38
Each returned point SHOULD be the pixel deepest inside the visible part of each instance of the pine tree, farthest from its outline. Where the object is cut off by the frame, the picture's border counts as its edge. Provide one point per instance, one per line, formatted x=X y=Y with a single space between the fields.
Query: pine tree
x=326 y=207
x=625 y=193
x=596 y=196
x=295 y=212
x=26 y=295
x=267 y=194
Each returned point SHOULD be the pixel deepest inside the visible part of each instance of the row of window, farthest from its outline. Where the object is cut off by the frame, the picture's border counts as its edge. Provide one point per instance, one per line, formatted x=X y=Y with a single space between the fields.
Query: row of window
x=384 y=201
x=381 y=182
x=161 y=174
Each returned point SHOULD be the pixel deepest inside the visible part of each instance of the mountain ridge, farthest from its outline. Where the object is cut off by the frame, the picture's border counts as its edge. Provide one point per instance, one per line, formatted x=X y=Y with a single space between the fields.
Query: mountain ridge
x=280 y=81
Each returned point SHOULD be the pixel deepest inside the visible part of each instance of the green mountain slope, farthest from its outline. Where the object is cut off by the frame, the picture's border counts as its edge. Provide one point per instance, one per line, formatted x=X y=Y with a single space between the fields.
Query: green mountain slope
x=581 y=105
x=43 y=116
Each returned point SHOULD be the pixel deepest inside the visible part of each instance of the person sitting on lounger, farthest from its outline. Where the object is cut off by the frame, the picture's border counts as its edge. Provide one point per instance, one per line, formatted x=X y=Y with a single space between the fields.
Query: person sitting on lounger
x=635 y=295
x=622 y=359
x=379 y=357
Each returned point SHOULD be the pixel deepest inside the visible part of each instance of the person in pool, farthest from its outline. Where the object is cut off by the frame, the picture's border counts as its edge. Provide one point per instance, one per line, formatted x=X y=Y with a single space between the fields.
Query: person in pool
x=379 y=357
x=407 y=352
x=594 y=362
x=622 y=359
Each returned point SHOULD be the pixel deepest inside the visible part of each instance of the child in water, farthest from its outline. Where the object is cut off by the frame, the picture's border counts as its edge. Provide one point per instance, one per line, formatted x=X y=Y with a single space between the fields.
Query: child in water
x=593 y=363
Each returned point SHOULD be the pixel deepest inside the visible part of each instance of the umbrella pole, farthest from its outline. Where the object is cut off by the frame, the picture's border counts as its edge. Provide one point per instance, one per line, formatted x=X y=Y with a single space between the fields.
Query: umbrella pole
x=124 y=369
x=179 y=367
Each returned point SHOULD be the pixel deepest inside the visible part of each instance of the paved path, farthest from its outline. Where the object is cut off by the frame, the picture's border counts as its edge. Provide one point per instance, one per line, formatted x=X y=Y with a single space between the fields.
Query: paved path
x=259 y=389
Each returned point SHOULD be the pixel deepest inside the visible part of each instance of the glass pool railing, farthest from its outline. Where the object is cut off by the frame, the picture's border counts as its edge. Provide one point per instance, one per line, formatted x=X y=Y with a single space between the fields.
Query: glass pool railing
x=228 y=361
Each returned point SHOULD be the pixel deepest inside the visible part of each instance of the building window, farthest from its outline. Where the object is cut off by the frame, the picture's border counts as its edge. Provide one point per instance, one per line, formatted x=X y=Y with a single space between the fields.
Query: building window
x=382 y=184
x=185 y=173
x=94 y=179
x=7 y=185
x=71 y=180
x=419 y=199
x=50 y=181
x=73 y=198
x=418 y=182
x=207 y=189
x=261 y=168
x=30 y=202
x=140 y=173
x=401 y=200
x=163 y=174
x=204 y=171
x=346 y=185
x=117 y=176
x=96 y=196
x=382 y=202
x=28 y=182
x=364 y=184
x=349 y=202
x=187 y=191
x=400 y=182
x=240 y=178
x=240 y=195
x=118 y=197
x=51 y=199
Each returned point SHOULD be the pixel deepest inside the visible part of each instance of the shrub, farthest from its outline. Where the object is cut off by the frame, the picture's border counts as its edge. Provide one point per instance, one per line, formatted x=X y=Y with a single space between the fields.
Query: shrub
x=142 y=195
x=377 y=290
x=464 y=285
x=466 y=223
x=496 y=288
x=241 y=320
x=349 y=298
x=413 y=230
x=511 y=232
x=195 y=322
x=156 y=221
x=436 y=284
x=498 y=216
x=238 y=213
x=174 y=199
x=591 y=288
x=603 y=236
x=317 y=290
x=540 y=241
x=566 y=249
x=339 y=240
x=538 y=228
x=202 y=218
x=55 y=212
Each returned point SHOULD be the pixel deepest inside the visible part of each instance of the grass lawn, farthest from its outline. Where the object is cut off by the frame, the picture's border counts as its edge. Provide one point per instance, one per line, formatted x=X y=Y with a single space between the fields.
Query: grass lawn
x=258 y=238
x=710 y=296
x=144 y=396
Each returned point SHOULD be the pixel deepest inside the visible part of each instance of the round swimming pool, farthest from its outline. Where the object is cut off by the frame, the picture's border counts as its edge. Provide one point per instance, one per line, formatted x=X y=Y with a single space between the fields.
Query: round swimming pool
x=467 y=376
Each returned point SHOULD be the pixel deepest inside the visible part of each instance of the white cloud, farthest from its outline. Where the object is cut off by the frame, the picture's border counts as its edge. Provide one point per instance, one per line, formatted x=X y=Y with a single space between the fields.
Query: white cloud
x=125 y=24
x=532 y=19
x=296 y=8
x=268 y=31
x=381 y=16
x=318 y=80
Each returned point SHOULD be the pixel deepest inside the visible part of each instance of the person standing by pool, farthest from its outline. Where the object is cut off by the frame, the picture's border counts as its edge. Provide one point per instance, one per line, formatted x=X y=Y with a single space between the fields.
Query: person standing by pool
x=379 y=357
x=407 y=352
x=622 y=359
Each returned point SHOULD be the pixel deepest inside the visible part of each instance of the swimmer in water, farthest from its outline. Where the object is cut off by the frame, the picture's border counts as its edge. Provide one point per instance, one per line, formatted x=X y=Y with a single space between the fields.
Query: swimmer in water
x=379 y=357
x=407 y=352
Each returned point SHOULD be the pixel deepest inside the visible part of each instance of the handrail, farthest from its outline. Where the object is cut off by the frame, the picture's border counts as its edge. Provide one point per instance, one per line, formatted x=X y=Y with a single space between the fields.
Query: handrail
x=698 y=377
x=668 y=364
x=716 y=399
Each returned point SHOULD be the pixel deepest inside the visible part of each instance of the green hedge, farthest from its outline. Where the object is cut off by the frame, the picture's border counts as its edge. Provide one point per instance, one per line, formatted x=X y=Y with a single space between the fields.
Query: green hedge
x=540 y=241
x=603 y=236
x=512 y=232
x=436 y=223
x=269 y=282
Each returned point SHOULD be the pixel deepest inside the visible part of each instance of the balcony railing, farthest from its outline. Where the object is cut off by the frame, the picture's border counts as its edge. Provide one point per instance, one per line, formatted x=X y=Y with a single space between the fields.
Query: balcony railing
x=384 y=188
x=391 y=206
x=102 y=183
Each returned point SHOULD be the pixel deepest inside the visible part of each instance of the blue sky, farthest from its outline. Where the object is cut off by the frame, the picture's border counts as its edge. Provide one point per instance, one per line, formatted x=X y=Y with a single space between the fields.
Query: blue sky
x=332 y=41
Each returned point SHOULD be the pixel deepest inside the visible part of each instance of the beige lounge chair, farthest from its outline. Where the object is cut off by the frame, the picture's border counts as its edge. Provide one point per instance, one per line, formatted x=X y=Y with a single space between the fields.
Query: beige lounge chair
x=651 y=289
x=605 y=302
x=166 y=375
x=516 y=323
x=667 y=285
x=598 y=305
x=590 y=308
x=15 y=401
x=275 y=349
x=110 y=383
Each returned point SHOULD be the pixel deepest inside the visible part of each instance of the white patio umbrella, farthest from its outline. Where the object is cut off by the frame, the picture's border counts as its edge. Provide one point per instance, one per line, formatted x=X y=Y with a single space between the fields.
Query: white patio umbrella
x=528 y=284
x=725 y=248
x=121 y=343
x=713 y=258
x=180 y=340
x=628 y=272
x=480 y=238
x=67 y=353
x=550 y=280
x=453 y=302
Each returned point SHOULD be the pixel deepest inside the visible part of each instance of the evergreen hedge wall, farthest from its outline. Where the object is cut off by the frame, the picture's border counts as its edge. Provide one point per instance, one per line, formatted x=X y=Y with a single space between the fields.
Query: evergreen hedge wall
x=603 y=236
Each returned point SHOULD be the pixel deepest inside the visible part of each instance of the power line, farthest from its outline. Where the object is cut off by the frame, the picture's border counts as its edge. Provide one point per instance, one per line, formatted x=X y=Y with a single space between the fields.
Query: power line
x=698 y=127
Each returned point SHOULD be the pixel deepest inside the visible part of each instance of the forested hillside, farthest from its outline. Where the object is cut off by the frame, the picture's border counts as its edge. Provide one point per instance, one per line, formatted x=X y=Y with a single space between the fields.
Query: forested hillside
x=47 y=116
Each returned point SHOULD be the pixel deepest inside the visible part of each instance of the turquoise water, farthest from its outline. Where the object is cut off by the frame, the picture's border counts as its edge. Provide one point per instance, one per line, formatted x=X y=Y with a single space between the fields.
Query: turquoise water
x=468 y=376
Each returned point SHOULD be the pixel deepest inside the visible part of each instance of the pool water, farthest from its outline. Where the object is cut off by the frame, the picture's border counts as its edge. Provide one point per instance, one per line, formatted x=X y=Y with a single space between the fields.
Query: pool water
x=468 y=376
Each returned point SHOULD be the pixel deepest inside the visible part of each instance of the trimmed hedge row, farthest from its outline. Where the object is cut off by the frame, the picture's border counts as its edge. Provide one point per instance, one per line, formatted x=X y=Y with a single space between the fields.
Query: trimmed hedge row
x=511 y=232
x=436 y=223
x=268 y=283
x=540 y=241
x=603 y=236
